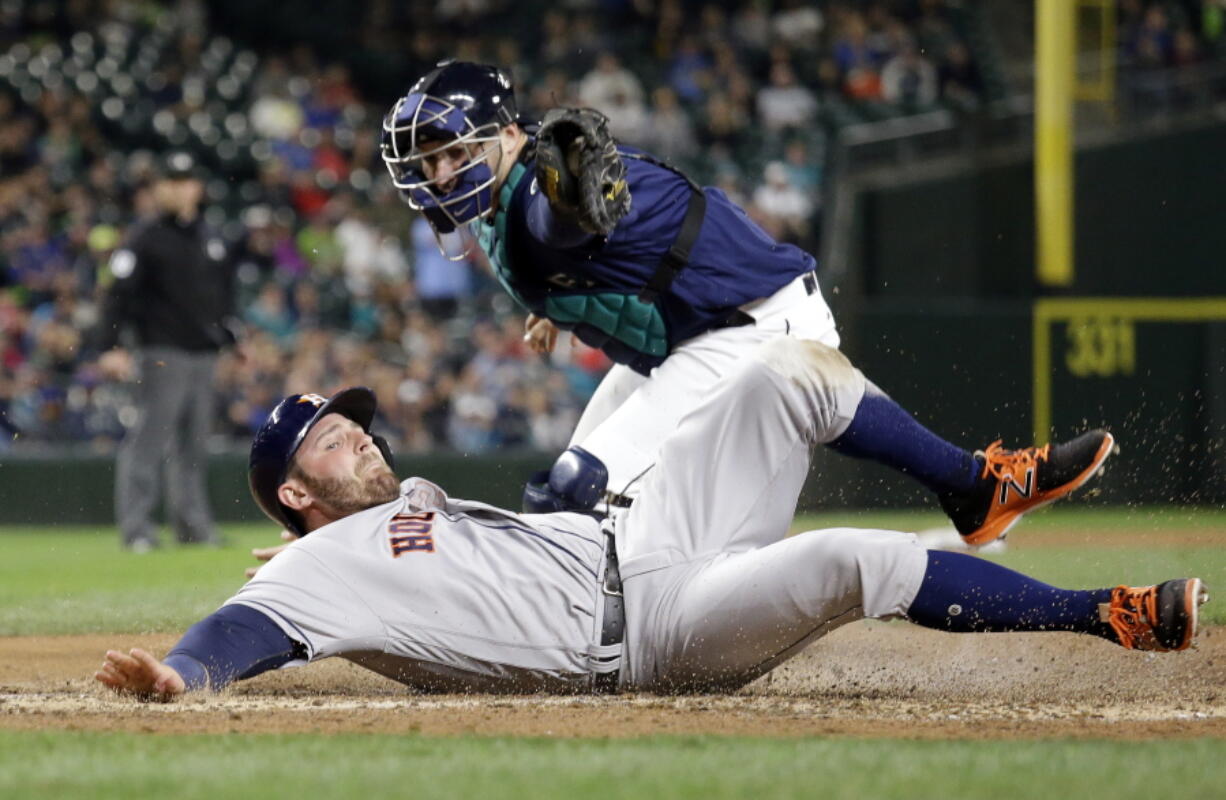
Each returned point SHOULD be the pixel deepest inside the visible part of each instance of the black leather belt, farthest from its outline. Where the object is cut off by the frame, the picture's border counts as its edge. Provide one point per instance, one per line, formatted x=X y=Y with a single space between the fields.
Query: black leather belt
x=613 y=623
x=738 y=317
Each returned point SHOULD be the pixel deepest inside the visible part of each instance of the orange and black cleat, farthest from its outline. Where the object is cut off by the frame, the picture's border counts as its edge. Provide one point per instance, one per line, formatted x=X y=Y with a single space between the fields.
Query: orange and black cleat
x=1161 y=618
x=1016 y=481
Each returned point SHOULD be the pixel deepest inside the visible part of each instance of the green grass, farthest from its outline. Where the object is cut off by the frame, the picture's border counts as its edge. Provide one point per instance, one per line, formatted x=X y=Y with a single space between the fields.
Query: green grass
x=61 y=580
x=66 y=580
x=82 y=765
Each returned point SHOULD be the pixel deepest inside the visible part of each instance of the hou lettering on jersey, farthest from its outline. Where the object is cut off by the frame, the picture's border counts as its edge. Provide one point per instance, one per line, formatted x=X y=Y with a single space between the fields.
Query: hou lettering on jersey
x=411 y=533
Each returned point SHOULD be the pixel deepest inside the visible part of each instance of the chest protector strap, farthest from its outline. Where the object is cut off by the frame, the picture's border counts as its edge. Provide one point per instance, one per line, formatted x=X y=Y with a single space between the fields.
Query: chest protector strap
x=492 y=238
x=678 y=254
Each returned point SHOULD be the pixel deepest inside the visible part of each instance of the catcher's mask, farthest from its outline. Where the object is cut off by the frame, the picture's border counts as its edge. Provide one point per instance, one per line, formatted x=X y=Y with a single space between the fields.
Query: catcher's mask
x=457 y=103
x=282 y=433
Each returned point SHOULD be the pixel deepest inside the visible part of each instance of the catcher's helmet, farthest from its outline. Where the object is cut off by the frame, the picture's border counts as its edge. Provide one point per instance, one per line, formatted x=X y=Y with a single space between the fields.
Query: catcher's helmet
x=458 y=101
x=282 y=433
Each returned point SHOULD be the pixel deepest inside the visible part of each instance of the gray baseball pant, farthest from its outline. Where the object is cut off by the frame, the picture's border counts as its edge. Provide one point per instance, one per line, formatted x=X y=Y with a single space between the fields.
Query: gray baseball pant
x=715 y=595
x=174 y=395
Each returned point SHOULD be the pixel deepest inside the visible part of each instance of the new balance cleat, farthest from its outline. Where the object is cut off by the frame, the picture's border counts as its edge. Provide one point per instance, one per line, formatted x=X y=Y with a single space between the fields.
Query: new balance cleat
x=1016 y=481
x=1161 y=618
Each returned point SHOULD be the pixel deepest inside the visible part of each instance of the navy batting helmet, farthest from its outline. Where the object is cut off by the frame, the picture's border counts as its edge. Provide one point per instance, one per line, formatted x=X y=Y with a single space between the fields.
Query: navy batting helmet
x=458 y=101
x=282 y=433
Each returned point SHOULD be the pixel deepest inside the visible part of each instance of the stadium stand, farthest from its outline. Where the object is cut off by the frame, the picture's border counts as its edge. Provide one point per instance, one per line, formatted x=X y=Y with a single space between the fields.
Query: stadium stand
x=337 y=286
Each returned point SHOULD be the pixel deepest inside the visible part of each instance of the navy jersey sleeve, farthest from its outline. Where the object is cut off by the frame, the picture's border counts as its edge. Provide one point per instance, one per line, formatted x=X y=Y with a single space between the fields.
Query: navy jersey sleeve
x=233 y=643
x=550 y=229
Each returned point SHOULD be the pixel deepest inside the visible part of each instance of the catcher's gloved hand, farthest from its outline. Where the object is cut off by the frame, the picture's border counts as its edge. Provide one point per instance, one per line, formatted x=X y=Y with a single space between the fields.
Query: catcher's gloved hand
x=579 y=169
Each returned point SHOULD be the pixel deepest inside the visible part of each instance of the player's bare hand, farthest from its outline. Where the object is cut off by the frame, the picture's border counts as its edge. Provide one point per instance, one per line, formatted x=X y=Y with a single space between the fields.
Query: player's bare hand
x=117 y=364
x=267 y=553
x=141 y=674
x=540 y=334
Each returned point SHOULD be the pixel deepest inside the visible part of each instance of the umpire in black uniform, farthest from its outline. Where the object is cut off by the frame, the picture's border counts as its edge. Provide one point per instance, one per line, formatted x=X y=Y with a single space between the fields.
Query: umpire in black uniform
x=173 y=292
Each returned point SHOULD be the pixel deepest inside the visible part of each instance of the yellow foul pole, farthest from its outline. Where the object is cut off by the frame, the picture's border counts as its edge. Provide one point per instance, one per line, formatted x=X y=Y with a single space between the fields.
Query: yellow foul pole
x=1055 y=37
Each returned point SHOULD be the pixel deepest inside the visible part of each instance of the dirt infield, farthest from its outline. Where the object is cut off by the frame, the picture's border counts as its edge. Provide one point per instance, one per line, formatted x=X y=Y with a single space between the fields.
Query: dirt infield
x=869 y=679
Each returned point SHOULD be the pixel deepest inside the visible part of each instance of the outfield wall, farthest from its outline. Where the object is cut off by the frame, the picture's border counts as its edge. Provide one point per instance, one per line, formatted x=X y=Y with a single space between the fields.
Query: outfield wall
x=1148 y=222
x=1152 y=372
x=940 y=306
x=79 y=489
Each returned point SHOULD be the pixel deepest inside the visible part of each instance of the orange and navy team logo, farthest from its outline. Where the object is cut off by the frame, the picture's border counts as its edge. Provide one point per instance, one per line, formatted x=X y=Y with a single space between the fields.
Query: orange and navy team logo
x=411 y=533
x=313 y=399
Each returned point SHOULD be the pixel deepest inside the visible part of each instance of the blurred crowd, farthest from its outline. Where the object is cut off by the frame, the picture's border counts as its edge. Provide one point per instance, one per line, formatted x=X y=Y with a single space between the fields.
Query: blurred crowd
x=340 y=283
x=1159 y=39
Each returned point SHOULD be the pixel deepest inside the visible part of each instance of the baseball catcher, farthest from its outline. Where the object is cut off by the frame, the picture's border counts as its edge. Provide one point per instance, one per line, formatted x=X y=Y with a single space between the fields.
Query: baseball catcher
x=674 y=283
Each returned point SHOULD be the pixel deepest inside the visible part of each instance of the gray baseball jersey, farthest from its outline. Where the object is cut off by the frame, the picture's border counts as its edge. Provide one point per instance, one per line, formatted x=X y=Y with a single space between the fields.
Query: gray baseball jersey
x=446 y=594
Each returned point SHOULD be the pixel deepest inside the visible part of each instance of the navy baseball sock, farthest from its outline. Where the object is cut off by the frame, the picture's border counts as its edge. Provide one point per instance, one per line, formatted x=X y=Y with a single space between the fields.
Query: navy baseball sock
x=883 y=431
x=964 y=594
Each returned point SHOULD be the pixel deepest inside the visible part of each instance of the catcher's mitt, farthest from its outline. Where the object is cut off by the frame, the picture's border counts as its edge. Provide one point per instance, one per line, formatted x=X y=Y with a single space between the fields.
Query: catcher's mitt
x=579 y=169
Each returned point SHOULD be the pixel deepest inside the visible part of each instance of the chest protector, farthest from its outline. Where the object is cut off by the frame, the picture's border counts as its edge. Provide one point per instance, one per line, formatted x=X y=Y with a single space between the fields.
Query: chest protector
x=610 y=320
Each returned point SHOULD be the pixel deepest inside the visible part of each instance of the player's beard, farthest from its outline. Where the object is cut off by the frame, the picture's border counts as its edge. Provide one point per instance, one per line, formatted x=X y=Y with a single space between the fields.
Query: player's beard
x=350 y=495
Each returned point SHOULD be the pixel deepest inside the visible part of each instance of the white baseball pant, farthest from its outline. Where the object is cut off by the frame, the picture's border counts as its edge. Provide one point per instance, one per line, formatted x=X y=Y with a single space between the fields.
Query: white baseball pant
x=631 y=414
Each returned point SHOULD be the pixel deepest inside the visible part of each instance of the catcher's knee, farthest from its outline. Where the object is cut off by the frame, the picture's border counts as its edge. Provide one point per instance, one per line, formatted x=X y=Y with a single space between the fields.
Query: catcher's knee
x=825 y=376
x=798 y=359
x=575 y=482
x=809 y=362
